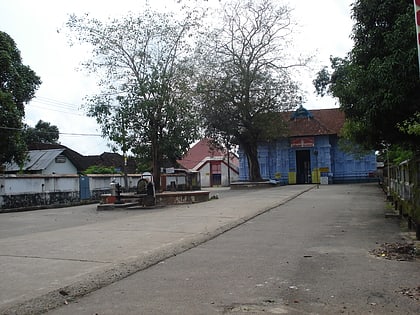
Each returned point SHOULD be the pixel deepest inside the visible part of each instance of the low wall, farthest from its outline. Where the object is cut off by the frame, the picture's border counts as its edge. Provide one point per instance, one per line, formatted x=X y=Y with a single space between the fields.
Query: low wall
x=161 y=199
x=35 y=184
x=34 y=191
x=251 y=185
x=26 y=201
x=403 y=184
x=184 y=197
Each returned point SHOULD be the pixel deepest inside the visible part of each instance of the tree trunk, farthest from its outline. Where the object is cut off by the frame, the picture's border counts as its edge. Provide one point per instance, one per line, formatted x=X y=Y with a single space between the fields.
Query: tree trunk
x=251 y=153
x=156 y=165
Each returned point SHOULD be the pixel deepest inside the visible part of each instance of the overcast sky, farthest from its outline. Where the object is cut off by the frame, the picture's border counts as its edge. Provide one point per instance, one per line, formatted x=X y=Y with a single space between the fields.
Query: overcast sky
x=324 y=30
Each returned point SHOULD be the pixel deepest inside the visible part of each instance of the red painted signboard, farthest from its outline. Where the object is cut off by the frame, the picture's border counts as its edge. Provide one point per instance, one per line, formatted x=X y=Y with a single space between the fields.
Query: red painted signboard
x=306 y=142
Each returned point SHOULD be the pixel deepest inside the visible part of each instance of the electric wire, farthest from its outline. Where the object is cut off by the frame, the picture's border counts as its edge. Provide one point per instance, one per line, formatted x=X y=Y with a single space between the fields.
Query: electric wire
x=60 y=133
x=50 y=104
x=45 y=103
x=39 y=106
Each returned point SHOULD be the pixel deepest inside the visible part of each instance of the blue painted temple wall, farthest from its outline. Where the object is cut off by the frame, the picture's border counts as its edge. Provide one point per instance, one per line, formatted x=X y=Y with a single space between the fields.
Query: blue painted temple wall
x=322 y=163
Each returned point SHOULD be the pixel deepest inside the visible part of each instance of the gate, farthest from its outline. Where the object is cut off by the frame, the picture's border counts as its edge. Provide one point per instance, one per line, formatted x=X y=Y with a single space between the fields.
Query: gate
x=84 y=188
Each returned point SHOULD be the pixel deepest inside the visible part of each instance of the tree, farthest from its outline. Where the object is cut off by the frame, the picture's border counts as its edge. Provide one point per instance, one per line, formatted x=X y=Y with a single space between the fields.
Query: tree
x=377 y=83
x=18 y=84
x=43 y=132
x=146 y=74
x=411 y=126
x=100 y=169
x=248 y=77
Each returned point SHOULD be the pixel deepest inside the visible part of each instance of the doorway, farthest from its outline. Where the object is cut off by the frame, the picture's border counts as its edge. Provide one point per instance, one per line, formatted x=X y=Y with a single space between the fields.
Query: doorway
x=303 y=167
x=84 y=189
x=216 y=173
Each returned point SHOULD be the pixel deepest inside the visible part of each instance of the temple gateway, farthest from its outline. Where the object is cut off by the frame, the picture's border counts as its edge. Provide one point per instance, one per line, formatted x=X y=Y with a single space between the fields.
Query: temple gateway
x=311 y=152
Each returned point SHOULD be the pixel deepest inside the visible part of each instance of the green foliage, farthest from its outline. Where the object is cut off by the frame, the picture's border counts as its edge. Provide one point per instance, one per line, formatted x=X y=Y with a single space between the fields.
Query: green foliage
x=247 y=78
x=377 y=83
x=350 y=138
x=100 y=169
x=43 y=132
x=18 y=84
x=411 y=126
x=12 y=146
x=322 y=81
x=398 y=154
x=146 y=75
x=348 y=142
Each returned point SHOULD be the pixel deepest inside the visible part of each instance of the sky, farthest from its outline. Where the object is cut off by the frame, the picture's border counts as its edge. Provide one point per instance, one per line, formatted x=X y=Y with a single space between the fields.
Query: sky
x=324 y=29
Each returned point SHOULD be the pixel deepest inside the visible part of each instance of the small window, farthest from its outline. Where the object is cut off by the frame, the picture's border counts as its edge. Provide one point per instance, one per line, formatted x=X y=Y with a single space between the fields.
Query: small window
x=216 y=168
x=60 y=159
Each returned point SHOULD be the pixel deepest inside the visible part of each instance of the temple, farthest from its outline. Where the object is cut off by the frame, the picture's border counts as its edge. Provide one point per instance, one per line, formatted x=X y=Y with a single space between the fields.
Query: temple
x=310 y=153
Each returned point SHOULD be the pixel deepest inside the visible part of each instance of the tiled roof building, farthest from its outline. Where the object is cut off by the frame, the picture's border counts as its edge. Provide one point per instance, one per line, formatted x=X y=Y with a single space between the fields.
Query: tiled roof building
x=315 y=122
x=213 y=164
x=46 y=158
x=310 y=153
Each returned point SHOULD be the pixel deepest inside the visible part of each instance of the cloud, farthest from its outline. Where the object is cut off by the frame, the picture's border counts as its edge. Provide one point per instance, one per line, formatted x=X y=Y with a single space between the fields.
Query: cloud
x=325 y=27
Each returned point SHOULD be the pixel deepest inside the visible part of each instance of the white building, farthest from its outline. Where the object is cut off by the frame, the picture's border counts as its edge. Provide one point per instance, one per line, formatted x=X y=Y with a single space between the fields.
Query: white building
x=215 y=168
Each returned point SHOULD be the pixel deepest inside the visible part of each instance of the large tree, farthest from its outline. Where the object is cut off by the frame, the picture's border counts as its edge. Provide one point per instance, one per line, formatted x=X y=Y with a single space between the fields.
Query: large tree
x=43 y=132
x=377 y=83
x=248 y=76
x=18 y=84
x=146 y=74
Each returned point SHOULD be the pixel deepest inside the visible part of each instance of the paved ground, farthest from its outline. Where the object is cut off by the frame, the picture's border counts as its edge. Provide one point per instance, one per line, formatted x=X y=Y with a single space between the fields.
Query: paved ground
x=316 y=254
x=50 y=256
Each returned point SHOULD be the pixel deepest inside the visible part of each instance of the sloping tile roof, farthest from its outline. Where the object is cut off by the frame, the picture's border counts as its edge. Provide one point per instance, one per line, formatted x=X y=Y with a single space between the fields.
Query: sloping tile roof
x=110 y=159
x=201 y=151
x=197 y=153
x=323 y=122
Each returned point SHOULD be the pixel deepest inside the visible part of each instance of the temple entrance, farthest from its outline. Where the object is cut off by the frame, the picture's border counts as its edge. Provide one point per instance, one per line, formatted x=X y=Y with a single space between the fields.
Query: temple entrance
x=216 y=173
x=303 y=167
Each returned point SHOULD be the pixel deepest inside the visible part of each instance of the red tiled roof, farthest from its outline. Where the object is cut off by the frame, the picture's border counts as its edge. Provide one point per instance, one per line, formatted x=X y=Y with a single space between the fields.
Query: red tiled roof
x=199 y=152
x=323 y=122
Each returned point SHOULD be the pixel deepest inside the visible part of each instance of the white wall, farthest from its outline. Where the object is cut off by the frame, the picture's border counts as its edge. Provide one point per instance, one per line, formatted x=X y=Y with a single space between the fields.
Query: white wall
x=60 y=168
x=102 y=182
x=24 y=190
x=13 y=185
x=18 y=184
x=233 y=175
x=61 y=184
x=205 y=175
